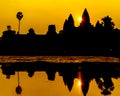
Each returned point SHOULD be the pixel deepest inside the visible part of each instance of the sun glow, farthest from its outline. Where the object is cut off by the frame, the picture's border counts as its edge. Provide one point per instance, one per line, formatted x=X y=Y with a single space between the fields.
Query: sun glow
x=80 y=19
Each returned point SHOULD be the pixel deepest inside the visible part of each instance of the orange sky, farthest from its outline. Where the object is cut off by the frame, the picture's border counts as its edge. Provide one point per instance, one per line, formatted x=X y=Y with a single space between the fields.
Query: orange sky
x=39 y=14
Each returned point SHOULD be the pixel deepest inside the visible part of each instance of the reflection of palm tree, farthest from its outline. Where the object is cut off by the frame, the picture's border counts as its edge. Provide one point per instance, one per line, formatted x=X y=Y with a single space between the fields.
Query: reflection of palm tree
x=18 y=88
x=19 y=17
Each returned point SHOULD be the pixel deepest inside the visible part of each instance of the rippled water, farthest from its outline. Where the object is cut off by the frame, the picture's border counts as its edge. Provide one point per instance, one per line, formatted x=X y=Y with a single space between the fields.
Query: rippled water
x=58 y=59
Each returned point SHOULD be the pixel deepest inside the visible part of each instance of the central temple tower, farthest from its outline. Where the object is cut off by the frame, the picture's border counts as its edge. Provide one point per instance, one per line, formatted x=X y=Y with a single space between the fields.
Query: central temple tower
x=85 y=18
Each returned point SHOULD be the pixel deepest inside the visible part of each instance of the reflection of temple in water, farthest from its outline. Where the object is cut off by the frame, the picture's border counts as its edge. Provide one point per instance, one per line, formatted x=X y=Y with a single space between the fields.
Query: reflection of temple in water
x=100 y=72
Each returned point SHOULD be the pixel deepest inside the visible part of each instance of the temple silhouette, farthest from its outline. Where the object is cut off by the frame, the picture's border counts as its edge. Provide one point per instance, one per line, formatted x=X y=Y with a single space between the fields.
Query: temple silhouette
x=84 y=40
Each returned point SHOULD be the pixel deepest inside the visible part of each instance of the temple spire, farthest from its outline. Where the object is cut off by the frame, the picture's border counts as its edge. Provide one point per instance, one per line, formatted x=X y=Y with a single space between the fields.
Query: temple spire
x=85 y=17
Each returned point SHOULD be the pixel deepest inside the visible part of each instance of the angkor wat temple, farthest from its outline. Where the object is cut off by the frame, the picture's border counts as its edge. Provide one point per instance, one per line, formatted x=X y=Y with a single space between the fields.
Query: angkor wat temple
x=86 y=39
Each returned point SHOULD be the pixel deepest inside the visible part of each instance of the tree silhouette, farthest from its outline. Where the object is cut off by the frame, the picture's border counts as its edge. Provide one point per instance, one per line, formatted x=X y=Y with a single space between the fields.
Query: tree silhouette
x=19 y=17
x=108 y=24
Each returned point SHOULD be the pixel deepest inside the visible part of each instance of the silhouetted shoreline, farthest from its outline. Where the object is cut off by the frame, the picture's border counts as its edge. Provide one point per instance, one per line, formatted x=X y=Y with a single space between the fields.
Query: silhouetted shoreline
x=84 y=40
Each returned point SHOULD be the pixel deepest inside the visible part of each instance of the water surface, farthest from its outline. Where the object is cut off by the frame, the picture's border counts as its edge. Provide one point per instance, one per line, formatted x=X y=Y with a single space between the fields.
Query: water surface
x=36 y=78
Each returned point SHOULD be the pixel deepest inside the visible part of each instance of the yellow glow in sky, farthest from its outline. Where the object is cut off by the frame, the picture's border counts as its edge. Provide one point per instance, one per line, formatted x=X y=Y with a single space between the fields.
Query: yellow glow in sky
x=38 y=14
x=79 y=19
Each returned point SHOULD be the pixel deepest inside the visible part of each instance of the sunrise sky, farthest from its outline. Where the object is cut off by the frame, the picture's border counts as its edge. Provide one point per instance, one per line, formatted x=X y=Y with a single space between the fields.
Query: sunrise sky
x=38 y=14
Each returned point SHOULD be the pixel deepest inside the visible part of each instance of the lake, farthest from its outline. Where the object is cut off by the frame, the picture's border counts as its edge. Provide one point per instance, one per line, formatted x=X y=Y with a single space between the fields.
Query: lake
x=59 y=75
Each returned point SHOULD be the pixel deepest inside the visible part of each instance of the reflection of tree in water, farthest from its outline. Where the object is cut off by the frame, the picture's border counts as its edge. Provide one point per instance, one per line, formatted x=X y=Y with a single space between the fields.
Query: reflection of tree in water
x=104 y=79
x=18 y=88
x=105 y=84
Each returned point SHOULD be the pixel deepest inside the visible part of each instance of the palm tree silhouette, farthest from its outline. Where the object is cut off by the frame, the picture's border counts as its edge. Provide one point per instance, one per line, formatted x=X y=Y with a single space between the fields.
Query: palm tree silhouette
x=19 y=17
x=18 y=88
